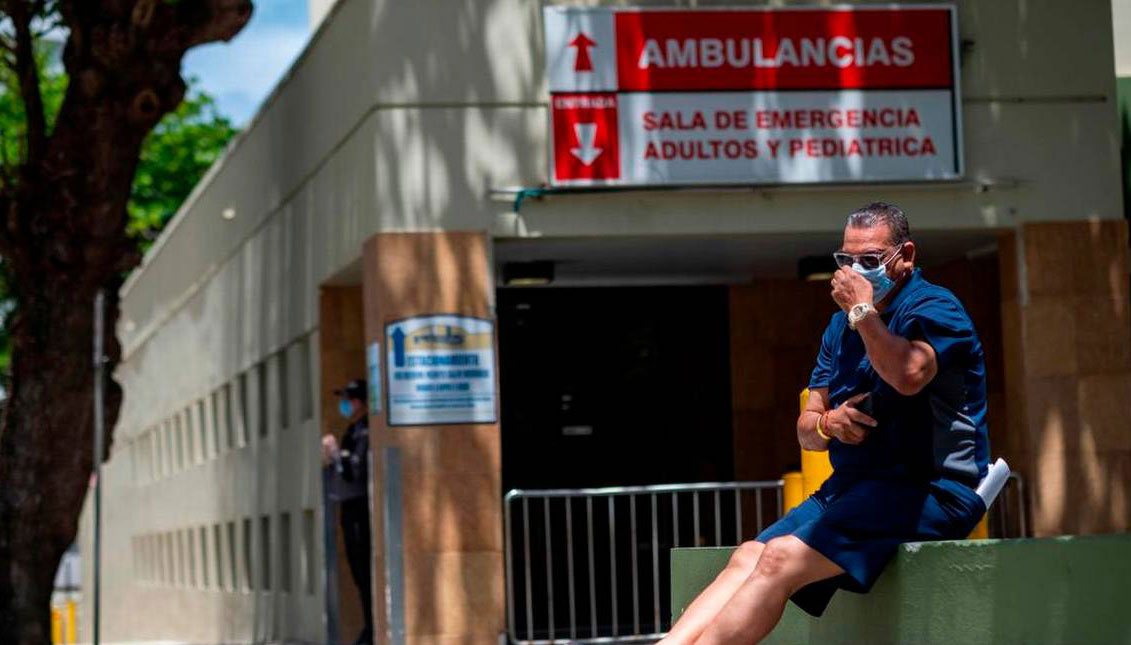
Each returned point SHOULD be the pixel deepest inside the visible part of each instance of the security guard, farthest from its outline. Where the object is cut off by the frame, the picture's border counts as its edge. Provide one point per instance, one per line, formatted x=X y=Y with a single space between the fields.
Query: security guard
x=349 y=485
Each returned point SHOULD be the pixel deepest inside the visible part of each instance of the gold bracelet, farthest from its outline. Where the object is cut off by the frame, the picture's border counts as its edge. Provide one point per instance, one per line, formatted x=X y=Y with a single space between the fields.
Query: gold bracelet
x=820 y=432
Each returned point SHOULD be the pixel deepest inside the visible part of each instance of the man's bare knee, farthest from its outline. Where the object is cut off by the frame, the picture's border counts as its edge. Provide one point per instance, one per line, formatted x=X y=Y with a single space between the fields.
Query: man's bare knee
x=746 y=556
x=779 y=560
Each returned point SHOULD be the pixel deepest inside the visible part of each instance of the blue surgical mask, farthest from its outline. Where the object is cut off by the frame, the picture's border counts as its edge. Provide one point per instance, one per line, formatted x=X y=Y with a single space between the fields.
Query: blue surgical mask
x=881 y=283
x=345 y=408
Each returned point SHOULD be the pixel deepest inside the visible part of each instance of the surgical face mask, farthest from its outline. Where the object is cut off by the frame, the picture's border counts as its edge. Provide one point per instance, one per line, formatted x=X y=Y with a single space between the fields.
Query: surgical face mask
x=345 y=408
x=881 y=283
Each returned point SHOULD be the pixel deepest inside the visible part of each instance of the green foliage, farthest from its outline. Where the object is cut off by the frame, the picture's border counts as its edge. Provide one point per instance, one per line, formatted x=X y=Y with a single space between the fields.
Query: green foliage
x=13 y=118
x=173 y=159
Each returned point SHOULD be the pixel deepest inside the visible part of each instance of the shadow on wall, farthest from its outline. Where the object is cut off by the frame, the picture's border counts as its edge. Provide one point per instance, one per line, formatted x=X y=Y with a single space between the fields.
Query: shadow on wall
x=1068 y=373
x=451 y=475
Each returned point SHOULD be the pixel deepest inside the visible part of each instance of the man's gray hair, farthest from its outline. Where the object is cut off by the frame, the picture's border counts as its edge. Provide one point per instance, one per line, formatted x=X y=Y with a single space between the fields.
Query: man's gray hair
x=878 y=213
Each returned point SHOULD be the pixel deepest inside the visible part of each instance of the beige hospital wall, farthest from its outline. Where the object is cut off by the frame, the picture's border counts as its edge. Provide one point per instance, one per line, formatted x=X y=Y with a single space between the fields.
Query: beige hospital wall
x=413 y=135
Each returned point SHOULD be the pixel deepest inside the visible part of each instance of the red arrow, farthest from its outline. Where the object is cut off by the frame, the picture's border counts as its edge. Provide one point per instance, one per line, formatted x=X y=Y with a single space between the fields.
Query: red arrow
x=582 y=43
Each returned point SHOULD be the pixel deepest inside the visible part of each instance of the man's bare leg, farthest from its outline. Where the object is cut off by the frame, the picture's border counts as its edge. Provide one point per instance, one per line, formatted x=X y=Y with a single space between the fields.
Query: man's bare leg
x=711 y=600
x=785 y=565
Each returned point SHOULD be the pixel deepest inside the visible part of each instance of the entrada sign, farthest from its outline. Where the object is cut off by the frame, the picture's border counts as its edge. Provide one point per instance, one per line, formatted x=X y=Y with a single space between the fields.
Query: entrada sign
x=753 y=96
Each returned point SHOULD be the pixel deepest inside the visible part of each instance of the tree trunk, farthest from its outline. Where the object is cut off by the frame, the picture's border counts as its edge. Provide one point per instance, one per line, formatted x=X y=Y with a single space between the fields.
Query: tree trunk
x=46 y=452
x=63 y=237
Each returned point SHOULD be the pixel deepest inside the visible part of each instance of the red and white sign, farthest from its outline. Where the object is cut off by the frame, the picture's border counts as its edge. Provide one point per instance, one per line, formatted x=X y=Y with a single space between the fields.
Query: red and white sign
x=753 y=96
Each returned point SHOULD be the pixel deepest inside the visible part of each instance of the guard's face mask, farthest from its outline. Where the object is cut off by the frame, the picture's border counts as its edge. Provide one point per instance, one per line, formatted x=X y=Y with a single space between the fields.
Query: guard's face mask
x=345 y=408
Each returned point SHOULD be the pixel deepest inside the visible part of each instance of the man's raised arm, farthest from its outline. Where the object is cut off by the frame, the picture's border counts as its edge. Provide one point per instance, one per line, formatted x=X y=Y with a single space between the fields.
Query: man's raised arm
x=906 y=365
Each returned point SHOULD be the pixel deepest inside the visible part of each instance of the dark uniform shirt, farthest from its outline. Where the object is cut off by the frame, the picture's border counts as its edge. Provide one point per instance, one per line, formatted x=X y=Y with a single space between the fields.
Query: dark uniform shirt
x=351 y=468
x=939 y=432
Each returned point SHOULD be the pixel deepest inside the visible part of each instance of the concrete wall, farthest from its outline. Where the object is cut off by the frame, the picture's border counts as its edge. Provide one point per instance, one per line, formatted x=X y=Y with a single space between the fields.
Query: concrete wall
x=316 y=11
x=1066 y=590
x=401 y=116
x=1121 y=28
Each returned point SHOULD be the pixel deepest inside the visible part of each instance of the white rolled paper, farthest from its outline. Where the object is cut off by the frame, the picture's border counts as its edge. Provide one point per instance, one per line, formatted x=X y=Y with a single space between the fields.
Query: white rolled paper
x=993 y=482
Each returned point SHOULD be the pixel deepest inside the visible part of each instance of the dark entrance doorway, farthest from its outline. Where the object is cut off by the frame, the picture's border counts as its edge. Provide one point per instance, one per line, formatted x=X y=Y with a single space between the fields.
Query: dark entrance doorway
x=607 y=387
x=614 y=386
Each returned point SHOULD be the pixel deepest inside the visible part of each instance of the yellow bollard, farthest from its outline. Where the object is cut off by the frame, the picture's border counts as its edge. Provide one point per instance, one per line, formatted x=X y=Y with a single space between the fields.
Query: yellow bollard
x=56 y=626
x=982 y=530
x=72 y=625
x=815 y=465
x=793 y=493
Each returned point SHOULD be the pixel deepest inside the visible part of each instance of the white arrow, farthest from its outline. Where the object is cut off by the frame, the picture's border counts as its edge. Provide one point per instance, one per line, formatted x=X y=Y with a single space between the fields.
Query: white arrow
x=585 y=152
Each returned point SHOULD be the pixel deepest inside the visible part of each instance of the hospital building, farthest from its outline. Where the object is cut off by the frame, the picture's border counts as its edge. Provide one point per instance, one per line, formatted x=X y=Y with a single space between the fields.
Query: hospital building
x=580 y=253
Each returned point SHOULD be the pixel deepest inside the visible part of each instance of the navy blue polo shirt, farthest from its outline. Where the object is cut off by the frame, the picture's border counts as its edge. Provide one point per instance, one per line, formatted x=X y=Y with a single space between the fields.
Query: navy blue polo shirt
x=939 y=432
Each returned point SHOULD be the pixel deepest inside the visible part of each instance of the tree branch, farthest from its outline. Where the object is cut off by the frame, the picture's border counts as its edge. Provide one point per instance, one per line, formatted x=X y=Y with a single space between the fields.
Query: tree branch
x=27 y=73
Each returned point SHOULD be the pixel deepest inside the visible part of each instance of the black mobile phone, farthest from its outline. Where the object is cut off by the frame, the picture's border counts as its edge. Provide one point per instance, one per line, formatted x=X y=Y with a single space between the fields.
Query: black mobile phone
x=865 y=405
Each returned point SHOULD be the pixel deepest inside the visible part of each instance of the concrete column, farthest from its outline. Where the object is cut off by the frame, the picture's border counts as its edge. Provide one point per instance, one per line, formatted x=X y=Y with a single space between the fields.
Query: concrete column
x=451 y=474
x=1067 y=355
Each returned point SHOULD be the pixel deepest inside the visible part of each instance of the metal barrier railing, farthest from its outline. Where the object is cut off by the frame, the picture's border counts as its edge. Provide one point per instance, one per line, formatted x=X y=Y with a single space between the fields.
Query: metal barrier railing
x=1008 y=513
x=588 y=604
x=568 y=533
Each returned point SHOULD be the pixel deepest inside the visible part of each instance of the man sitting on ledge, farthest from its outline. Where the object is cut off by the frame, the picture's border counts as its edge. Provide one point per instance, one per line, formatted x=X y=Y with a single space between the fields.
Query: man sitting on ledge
x=898 y=398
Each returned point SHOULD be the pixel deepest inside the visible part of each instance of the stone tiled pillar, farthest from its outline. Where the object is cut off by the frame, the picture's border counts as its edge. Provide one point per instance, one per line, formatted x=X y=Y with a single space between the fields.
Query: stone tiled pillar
x=451 y=474
x=1067 y=354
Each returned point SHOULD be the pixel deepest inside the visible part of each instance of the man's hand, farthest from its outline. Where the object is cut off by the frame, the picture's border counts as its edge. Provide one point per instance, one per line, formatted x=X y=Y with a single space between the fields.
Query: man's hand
x=850 y=288
x=847 y=424
x=329 y=448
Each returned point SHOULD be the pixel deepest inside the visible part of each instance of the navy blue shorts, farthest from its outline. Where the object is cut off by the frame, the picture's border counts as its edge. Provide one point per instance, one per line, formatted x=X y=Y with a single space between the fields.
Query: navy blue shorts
x=859 y=524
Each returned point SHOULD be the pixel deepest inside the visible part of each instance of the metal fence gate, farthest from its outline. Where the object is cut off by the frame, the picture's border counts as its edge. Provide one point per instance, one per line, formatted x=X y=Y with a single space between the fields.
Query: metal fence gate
x=591 y=565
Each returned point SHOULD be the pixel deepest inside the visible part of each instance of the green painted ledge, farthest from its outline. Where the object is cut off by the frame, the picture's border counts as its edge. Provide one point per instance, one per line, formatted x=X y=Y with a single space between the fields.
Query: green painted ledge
x=1054 y=590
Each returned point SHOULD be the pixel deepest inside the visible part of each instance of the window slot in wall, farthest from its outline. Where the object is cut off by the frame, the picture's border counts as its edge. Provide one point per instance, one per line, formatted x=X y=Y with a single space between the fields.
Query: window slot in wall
x=218 y=550
x=190 y=437
x=202 y=429
x=190 y=547
x=145 y=576
x=248 y=556
x=265 y=551
x=170 y=452
x=229 y=418
x=158 y=559
x=170 y=565
x=204 y=550
x=285 y=552
x=179 y=549
x=308 y=561
x=284 y=398
x=217 y=433
x=158 y=453
x=261 y=398
x=153 y=440
x=242 y=420
x=306 y=394
x=232 y=557
x=179 y=440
